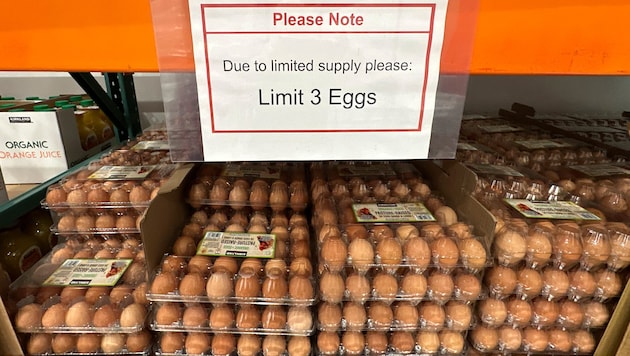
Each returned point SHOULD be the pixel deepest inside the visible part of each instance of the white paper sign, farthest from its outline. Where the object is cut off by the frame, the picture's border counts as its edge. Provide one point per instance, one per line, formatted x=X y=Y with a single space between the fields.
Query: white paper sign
x=308 y=80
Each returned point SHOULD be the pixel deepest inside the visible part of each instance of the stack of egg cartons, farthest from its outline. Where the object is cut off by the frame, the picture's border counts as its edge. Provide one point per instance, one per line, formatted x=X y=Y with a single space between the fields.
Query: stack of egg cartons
x=239 y=277
x=398 y=273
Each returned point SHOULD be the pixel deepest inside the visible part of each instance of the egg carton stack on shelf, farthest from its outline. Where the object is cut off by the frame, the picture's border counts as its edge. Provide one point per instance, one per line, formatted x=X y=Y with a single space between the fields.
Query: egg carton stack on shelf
x=407 y=281
x=558 y=272
x=239 y=277
x=88 y=296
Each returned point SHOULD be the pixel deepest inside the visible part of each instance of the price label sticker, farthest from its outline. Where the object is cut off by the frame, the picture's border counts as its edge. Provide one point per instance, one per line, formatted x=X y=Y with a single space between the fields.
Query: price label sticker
x=382 y=212
x=237 y=245
x=88 y=272
x=122 y=172
x=563 y=210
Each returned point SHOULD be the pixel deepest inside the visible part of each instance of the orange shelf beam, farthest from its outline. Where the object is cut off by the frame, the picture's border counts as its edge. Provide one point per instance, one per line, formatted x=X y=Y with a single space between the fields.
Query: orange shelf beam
x=512 y=37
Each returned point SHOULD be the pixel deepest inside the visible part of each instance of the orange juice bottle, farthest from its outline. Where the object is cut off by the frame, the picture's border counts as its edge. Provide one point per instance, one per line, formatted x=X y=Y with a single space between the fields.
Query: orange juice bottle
x=101 y=126
x=86 y=134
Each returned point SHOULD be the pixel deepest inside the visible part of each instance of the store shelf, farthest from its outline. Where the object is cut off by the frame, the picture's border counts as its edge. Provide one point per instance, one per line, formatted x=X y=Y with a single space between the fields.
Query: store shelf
x=513 y=37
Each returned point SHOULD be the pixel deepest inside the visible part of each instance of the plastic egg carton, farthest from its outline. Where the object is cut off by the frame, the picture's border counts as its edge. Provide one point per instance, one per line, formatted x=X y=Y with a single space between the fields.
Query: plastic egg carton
x=134 y=344
x=610 y=195
x=542 y=313
x=474 y=153
x=531 y=341
x=394 y=246
x=501 y=181
x=445 y=342
x=137 y=157
x=380 y=285
x=233 y=280
x=91 y=223
x=257 y=185
x=399 y=316
x=232 y=318
x=83 y=192
x=181 y=343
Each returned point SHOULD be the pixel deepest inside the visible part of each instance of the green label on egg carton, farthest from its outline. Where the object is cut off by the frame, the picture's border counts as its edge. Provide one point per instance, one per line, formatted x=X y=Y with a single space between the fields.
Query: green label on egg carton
x=385 y=212
x=256 y=171
x=563 y=210
x=237 y=244
x=122 y=172
x=88 y=272
x=151 y=146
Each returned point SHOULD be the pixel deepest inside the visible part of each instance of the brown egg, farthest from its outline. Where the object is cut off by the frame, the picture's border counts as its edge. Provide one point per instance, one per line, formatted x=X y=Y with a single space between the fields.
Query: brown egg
x=88 y=343
x=406 y=231
x=458 y=315
x=55 y=195
x=194 y=316
x=432 y=316
x=171 y=342
x=440 y=286
x=299 y=233
x=247 y=284
x=275 y=267
x=299 y=319
x=329 y=316
x=376 y=342
x=444 y=252
x=559 y=340
x=248 y=317
x=168 y=313
x=535 y=340
x=29 y=316
x=583 y=341
x=567 y=248
x=54 y=316
x=509 y=247
x=331 y=287
x=545 y=312
x=248 y=345
x=354 y=315
x=301 y=267
x=501 y=280
x=595 y=314
x=519 y=312
x=62 y=254
x=71 y=294
x=460 y=230
x=608 y=284
x=139 y=342
x=275 y=287
x=85 y=222
x=451 y=341
x=252 y=265
x=356 y=231
x=472 y=253
x=333 y=253
x=328 y=343
x=279 y=196
x=571 y=314
x=106 y=316
x=197 y=343
x=467 y=287
x=175 y=264
x=79 y=314
x=274 y=317
x=164 y=283
x=402 y=342
x=380 y=232
x=299 y=346
x=219 y=285
x=493 y=312
x=445 y=216
x=133 y=316
x=555 y=283
x=405 y=315
x=64 y=343
x=222 y=316
x=417 y=253
x=596 y=247
x=413 y=285
x=530 y=282
x=192 y=284
x=184 y=246
x=428 y=342
x=361 y=254
x=484 y=338
x=119 y=293
x=509 y=339
x=385 y=287
x=105 y=253
x=380 y=315
x=582 y=284
x=274 y=345
x=105 y=222
x=139 y=195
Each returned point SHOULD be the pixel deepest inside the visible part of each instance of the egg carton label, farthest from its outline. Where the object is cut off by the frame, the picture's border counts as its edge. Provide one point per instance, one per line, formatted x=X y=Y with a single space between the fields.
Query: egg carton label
x=88 y=272
x=490 y=169
x=256 y=171
x=563 y=210
x=382 y=212
x=236 y=244
x=151 y=146
x=350 y=170
x=122 y=172
x=462 y=146
x=499 y=128
x=601 y=170
x=539 y=144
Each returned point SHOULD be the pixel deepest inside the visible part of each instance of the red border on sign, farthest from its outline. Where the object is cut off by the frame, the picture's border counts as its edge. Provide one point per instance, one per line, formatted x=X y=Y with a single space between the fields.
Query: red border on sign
x=426 y=69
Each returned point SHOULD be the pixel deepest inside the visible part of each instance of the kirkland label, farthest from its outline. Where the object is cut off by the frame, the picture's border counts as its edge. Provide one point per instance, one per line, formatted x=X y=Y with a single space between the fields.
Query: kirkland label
x=122 y=172
x=563 y=210
x=88 y=272
x=490 y=169
x=151 y=146
x=383 y=212
x=601 y=170
x=238 y=244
